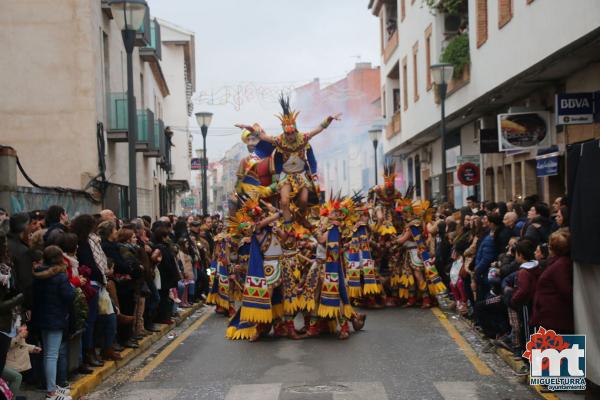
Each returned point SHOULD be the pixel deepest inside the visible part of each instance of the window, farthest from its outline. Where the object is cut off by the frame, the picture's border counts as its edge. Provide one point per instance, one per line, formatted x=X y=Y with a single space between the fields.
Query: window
x=428 y=57
x=396 y=100
x=142 y=96
x=383 y=107
x=410 y=171
x=505 y=12
x=416 y=71
x=404 y=83
x=417 y=176
x=482 y=22
x=402 y=9
x=106 y=75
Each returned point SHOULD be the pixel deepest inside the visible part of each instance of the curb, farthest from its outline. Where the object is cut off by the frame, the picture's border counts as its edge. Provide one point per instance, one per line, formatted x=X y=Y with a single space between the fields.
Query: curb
x=504 y=354
x=87 y=383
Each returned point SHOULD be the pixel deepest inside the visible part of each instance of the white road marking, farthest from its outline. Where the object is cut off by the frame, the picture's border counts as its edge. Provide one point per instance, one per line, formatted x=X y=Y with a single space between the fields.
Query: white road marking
x=457 y=390
x=362 y=390
x=355 y=391
x=268 y=391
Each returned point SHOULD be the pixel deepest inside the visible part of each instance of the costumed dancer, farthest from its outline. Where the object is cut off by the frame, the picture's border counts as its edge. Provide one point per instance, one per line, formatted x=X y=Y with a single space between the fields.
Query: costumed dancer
x=386 y=228
x=334 y=302
x=262 y=300
x=294 y=163
x=363 y=280
x=419 y=276
x=254 y=176
x=220 y=289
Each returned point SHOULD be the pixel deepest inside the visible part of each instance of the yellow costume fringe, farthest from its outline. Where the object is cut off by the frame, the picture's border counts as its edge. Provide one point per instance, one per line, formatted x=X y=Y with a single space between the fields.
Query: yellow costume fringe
x=277 y=310
x=256 y=315
x=244 y=334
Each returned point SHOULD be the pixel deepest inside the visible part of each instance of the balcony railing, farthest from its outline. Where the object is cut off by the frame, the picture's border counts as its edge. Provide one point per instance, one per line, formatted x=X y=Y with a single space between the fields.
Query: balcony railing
x=117 y=120
x=142 y=37
x=165 y=151
x=145 y=130
x=153 y=51
x=390 y=47
x=394 y=127
x=154 y=149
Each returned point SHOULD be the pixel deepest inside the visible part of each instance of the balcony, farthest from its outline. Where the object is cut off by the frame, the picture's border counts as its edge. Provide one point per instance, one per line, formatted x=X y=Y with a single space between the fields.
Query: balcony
x=145 y=130
x=117 y=117
x=165 y=149
x=390 y=47
x=154 y=150
x=394 y=127
x=142 y=37
x=153 y=51
x=106 y=9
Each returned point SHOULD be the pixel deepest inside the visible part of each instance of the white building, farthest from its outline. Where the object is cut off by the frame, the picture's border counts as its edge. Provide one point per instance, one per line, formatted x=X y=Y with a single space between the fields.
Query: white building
x=519 y=55
x=179 y=65
x=64 y=107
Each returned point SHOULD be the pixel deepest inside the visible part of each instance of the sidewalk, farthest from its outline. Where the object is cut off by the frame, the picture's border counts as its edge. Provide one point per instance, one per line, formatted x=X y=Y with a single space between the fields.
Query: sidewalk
x=518 y=365
x=84 y=384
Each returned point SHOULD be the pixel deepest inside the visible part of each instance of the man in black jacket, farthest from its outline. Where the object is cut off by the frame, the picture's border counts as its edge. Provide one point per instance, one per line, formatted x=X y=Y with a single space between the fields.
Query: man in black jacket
x=20 y=256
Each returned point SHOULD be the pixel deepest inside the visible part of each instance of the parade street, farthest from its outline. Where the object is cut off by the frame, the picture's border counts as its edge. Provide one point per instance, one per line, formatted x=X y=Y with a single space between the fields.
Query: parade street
x=400 y=354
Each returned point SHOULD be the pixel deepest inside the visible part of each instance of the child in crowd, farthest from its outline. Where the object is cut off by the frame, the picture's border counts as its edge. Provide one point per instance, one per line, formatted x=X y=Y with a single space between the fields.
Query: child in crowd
x=186 y=286
x=17 y=359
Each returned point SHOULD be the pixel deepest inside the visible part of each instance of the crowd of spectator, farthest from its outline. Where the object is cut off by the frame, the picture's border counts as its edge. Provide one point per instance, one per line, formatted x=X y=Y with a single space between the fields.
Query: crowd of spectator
x=94 y=280
x=508 y=267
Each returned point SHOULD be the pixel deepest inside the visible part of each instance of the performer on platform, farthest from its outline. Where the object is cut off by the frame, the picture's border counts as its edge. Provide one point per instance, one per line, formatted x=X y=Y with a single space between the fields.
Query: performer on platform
x=254 y=173
x=294 y=162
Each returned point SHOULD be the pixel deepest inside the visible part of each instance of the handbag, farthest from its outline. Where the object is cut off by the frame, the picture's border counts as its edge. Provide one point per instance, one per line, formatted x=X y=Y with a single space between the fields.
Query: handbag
x=105 y=306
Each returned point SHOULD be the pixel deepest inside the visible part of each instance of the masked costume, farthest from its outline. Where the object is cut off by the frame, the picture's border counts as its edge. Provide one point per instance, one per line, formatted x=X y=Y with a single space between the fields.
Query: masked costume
x=419 y=276
x=384 y=198
x=254 y=175
x=220 y=289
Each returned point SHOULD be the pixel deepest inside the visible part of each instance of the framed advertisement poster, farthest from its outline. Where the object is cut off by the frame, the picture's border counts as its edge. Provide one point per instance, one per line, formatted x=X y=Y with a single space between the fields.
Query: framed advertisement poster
x=526 y=130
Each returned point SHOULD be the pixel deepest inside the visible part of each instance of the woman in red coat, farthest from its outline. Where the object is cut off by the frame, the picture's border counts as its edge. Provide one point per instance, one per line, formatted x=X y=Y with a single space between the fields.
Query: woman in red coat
x=553 y=301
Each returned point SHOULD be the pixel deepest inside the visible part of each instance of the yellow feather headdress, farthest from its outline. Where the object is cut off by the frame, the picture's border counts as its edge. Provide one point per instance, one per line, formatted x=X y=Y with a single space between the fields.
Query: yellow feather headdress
x=288 y=116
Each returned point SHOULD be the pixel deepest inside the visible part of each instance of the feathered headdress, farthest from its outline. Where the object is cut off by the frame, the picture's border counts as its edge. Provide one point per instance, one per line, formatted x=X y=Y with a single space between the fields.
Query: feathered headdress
x=288 y=116
x=389 y=173
x=249 y=212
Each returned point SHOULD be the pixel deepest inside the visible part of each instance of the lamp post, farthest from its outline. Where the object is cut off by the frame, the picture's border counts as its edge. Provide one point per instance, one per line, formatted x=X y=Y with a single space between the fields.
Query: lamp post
x=442 y=73
x=375 y=135
x=129 y=15
x=204 y=119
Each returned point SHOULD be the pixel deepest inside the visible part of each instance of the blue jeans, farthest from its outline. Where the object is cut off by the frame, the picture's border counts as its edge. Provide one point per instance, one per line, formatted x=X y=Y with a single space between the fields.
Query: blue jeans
x=63 y=363
x=108 y=327
x=191 y=289
x=51 y=340
x=151 y=305
x=88 y=334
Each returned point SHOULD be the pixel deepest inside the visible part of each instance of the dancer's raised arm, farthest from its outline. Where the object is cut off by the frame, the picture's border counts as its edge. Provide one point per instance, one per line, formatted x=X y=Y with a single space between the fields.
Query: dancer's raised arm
x=324 y=125
x=257 y=128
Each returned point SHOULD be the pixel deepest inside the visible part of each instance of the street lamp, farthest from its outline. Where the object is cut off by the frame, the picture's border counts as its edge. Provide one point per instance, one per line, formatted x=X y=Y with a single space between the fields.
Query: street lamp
x=375 y=135
x=129 y=15
x=441 y=74
x=204 y=119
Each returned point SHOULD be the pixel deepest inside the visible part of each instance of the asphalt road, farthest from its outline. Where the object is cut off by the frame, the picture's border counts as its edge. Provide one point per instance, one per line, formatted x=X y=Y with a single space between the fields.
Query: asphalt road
x=401 y=354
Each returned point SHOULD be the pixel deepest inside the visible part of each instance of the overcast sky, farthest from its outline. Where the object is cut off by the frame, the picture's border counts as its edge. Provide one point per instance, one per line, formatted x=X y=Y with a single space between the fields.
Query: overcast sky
x=248 y=50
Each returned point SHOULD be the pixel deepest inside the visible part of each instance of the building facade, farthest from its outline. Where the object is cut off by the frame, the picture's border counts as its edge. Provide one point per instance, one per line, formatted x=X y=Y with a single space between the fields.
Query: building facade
x=509 y=56
x=65 y=102
x=344 y=151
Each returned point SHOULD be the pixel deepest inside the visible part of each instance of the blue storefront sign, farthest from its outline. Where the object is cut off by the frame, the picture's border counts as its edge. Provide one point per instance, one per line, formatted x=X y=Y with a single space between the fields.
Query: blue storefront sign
x=547 y=166
x=575 y=108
